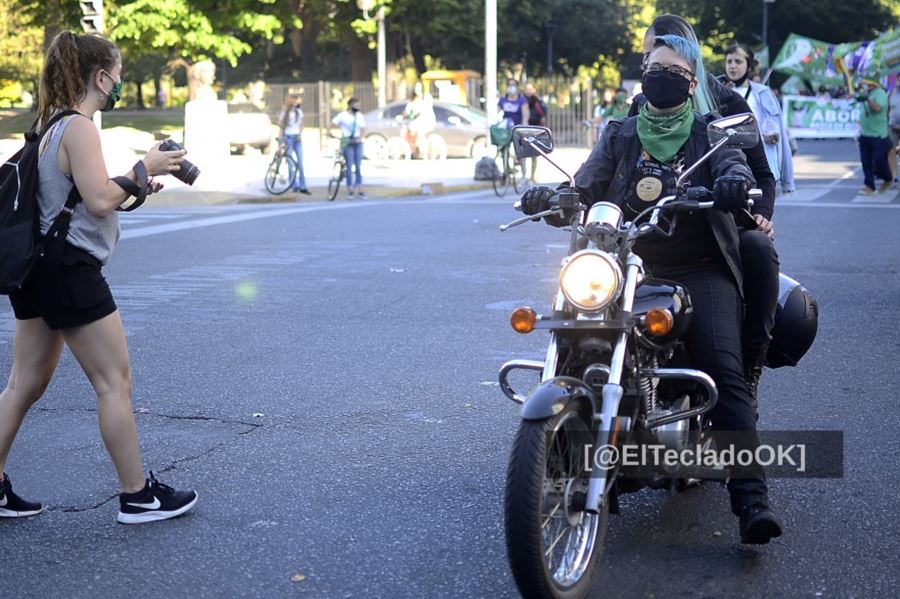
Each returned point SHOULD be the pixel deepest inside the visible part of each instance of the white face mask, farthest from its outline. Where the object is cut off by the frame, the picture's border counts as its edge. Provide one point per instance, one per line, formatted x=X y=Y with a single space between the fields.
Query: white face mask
x=512 y=90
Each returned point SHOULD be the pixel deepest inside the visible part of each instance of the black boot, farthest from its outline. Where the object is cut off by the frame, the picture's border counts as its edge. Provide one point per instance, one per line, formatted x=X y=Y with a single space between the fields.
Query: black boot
x=759 y=524
x=754 y=362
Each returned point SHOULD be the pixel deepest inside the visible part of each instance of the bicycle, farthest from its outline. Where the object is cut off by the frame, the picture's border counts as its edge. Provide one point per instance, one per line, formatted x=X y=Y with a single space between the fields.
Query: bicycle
x=338 y=172
x=507 y=168
x=278 y=175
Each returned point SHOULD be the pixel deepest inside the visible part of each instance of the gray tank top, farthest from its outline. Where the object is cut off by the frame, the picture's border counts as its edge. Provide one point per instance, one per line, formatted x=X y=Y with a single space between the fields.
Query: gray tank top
x=95 y=235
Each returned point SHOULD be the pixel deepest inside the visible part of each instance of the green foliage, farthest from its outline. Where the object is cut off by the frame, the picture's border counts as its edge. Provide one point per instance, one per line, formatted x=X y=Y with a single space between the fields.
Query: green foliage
x=21 y=51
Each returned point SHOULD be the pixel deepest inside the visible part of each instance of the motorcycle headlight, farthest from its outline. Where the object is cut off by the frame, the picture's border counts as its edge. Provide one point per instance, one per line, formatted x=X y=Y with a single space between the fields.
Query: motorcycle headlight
x=591 y=280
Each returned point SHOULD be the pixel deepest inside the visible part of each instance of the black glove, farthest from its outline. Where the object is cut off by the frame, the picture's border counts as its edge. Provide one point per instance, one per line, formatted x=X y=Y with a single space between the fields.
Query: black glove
x=536 y=199
x=730 y=192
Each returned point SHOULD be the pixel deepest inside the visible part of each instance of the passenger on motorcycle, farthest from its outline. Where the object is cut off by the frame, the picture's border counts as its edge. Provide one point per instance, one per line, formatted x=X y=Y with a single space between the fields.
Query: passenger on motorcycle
x=759 y=260
x=635 y=164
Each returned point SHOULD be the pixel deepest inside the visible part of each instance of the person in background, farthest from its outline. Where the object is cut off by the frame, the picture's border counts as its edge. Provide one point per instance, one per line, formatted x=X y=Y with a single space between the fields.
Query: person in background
x=291 y=123
x=537 y=115
x=739 y=64
x=894 y=129
x=874 y=143
x=618 y=108
x=514 y=105
x=352 y=125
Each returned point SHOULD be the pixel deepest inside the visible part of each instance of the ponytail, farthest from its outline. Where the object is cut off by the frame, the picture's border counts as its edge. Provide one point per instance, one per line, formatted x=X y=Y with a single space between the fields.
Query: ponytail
x=69 y=64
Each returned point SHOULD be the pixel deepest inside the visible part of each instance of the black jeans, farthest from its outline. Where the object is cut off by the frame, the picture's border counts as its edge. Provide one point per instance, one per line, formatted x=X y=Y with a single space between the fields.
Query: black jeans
x=759 y=262
x=714 y=344
x=873 y=153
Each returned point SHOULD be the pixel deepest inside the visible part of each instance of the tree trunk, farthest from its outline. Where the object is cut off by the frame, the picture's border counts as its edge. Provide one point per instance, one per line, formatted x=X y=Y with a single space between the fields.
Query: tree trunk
x=50 y=32
x=360 y=60
x=309 y=59
x=140 y=94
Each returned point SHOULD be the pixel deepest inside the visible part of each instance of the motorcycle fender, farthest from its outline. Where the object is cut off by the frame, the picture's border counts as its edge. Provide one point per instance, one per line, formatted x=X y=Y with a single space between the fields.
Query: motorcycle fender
x=553 y=395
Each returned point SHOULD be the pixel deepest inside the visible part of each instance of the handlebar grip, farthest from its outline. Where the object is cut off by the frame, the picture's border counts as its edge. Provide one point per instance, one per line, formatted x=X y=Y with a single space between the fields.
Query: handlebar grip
x=698 y=194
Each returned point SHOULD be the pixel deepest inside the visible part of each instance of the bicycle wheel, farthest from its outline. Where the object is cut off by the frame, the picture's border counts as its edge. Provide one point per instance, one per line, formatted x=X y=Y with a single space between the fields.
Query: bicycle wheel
x=278 y=179
x=517 y=173
x=500 y=179
x=337 y=175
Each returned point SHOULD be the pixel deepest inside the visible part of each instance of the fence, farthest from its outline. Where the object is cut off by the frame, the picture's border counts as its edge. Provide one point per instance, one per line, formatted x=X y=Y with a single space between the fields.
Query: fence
x=570 y=104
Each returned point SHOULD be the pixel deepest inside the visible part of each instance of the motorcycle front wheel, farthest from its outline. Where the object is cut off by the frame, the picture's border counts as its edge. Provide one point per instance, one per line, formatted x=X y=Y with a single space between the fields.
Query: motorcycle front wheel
x=554 y=546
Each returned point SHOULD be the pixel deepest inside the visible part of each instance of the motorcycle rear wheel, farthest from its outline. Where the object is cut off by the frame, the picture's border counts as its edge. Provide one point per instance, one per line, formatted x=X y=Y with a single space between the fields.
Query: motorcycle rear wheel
x=554 y=549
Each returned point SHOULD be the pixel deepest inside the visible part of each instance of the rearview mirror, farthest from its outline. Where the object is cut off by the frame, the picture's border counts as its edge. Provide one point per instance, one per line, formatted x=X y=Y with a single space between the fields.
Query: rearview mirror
x=526 y=135
x=740 y=130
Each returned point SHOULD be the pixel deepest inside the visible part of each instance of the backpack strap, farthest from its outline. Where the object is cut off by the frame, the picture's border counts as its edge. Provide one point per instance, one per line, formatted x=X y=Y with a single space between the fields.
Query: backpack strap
x=33 y=135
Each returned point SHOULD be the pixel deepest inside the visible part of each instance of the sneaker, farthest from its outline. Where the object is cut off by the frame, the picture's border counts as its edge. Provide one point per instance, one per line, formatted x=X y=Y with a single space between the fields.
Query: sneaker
x=305 y=191
x=759 y=524
x=13 y=506
x=885 y=186
x=866 y=191
x=155 y=501
x=361 y=195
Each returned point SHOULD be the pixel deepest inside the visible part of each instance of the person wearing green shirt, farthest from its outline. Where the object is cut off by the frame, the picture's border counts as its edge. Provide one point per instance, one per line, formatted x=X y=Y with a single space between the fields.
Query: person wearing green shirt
x=874 y=143
x=619 y=107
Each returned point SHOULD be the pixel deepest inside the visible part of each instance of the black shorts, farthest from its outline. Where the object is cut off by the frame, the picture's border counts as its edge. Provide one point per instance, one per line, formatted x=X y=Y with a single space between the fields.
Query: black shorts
x=71 y=294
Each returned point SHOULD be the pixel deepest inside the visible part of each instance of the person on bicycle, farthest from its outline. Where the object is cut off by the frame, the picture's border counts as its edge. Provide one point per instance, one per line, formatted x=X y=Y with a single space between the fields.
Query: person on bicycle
x=537 y=115
x=291 y=124
x=635 y=164
x=352 y=125
x=514 y=105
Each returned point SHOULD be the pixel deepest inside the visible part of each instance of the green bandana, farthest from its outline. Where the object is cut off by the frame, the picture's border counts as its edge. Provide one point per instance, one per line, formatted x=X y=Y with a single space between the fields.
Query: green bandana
x=662 y=135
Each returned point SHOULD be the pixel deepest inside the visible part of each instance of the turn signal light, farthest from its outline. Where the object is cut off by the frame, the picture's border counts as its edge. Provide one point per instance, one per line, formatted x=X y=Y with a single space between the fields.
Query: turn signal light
x=522 y=320
x=658 y=322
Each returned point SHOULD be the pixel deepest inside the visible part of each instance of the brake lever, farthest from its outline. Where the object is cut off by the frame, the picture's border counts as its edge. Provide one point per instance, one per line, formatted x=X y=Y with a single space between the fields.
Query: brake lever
x=525 y=219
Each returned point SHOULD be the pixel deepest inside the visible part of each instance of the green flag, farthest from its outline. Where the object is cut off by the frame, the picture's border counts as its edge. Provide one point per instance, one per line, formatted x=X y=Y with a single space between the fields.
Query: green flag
x=806 y=58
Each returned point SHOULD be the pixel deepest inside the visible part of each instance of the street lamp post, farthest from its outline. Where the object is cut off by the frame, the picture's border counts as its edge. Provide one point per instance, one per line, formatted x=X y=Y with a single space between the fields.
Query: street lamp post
x=765 y=24
x=490 y=62
x=366 y=6
x=550 y=27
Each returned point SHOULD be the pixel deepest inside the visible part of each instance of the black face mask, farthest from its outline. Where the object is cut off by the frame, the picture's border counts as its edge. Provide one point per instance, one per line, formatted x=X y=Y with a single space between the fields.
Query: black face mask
x=740 y=82
x=665 y=90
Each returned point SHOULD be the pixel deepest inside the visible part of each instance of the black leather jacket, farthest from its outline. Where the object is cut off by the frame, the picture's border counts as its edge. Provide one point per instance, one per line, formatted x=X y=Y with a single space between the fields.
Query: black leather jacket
x=606 y=174
x=730 y=103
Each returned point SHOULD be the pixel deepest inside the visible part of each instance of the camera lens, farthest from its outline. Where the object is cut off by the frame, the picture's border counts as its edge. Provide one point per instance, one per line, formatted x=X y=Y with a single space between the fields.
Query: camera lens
x=188 y=172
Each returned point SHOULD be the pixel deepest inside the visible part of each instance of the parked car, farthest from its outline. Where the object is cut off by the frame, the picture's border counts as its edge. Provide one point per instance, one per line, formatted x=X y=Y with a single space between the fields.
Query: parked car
x=249 y=126
x=461 y=130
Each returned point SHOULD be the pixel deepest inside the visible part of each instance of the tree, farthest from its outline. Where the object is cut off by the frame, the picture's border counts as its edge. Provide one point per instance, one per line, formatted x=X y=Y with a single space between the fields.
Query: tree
x=186 y=31
x=20 y=50
x=721 y=21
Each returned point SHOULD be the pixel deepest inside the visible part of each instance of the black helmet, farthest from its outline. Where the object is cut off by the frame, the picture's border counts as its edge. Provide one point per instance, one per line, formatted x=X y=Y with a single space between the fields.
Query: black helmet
x=796 y=323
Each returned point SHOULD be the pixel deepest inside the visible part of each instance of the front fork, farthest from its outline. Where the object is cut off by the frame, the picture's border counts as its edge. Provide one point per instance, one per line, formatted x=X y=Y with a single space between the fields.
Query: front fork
x=611 y=398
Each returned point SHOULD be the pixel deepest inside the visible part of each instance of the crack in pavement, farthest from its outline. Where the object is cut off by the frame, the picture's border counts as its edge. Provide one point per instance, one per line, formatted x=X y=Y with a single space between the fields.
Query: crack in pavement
x=140 y=412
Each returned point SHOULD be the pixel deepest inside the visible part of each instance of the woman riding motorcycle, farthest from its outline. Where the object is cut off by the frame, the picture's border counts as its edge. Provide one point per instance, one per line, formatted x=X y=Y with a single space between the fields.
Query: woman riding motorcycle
x=759 y=259
x=634 y=165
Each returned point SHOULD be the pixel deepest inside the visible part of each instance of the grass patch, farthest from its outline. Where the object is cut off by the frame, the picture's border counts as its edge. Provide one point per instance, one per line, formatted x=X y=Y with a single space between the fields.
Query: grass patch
x=13 y=124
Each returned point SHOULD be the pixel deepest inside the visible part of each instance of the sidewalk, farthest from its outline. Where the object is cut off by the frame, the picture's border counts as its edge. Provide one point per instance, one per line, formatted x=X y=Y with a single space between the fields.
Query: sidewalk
x=239 y=179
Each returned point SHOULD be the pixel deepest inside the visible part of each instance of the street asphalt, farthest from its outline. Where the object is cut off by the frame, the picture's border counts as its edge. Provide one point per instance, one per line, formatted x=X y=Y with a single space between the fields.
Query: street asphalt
x=324 y=375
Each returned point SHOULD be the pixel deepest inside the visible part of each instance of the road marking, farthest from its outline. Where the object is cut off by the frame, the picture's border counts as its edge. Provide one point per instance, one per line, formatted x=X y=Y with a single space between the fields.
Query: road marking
x=234 y=218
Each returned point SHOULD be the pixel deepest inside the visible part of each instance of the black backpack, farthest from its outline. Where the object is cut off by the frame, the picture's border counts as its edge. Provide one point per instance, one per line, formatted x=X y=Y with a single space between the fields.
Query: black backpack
x=19 y=213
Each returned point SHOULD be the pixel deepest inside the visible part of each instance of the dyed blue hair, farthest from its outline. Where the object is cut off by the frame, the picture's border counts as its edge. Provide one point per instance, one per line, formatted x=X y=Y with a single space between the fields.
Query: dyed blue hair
x=690 y=51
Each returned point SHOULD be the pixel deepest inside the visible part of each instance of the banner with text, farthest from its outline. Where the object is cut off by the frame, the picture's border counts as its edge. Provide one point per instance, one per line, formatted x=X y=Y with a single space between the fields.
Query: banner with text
x=809 y=117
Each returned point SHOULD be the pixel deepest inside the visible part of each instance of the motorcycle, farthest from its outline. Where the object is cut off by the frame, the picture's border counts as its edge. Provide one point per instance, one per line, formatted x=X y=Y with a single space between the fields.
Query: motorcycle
x=615 y=375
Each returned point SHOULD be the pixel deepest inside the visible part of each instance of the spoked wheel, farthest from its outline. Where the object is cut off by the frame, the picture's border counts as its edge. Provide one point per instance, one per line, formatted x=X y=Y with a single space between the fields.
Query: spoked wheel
x=501 y=175
x=517 y=170
x=398 y=149
x=278 y=178
x=337 y=175
x=554 y=546
x=435 y=147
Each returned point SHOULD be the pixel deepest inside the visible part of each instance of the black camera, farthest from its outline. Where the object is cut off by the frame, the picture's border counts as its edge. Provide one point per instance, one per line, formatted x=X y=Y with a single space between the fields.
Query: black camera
x=188 y=171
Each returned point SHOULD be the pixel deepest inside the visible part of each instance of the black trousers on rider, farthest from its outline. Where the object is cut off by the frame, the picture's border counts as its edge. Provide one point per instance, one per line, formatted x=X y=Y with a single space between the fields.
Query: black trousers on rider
x=714 y=344
x=760 y=265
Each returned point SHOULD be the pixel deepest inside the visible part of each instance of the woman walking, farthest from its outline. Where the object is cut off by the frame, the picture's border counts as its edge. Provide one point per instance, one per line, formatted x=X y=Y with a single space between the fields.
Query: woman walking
x=69 y=302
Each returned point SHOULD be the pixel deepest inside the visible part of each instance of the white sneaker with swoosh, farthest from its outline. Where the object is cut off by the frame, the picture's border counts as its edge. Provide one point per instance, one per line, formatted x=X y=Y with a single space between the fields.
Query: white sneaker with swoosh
x=13 y=506
x=155 y=501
